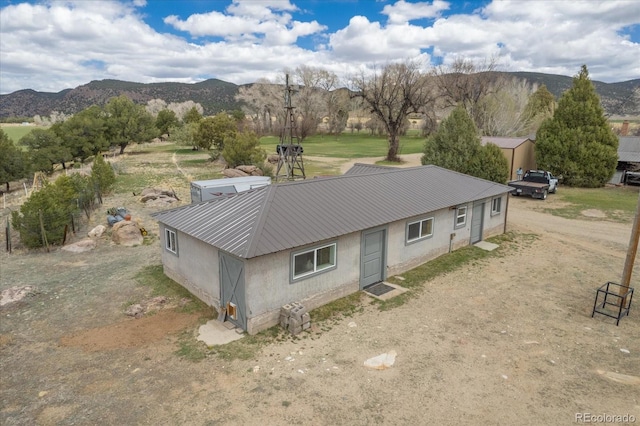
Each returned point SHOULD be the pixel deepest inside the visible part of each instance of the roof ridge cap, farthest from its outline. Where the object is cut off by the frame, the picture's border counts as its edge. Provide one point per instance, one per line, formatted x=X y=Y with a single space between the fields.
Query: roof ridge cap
x=266 y=206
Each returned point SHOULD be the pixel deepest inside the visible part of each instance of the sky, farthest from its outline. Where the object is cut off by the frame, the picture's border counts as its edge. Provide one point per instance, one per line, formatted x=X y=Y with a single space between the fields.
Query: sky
x=55 y=45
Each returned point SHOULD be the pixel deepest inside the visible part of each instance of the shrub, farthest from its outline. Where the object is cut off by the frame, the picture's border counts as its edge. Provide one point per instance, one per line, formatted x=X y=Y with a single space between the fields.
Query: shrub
x=50 y=208
x=243 y=148
x=103 y=178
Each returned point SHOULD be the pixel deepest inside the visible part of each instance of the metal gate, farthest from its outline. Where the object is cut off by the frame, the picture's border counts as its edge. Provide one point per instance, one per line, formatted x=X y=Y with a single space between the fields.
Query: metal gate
x=232 y=289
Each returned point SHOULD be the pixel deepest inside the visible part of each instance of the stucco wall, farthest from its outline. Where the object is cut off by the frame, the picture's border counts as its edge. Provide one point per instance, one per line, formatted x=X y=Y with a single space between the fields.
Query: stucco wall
x=196 y=267
x=494 y=223
x=403 y=256
x=267 y=278
x=268 y=282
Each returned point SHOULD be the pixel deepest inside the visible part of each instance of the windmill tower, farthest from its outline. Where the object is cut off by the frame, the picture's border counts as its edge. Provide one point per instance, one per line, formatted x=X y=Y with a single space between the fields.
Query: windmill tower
x=290 y=164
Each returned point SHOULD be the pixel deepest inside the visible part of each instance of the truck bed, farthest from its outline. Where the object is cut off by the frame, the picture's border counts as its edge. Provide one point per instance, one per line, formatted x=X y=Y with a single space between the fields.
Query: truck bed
x=535 y=189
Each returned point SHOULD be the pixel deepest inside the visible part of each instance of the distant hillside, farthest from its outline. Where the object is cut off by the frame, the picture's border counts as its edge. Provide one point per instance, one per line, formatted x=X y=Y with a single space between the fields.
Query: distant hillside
x=217 y=95
x=617 y=98
x=214 y=96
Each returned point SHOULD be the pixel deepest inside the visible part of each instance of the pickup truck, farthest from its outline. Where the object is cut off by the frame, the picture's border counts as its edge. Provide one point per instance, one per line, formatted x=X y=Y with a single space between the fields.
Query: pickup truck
x=537 y=183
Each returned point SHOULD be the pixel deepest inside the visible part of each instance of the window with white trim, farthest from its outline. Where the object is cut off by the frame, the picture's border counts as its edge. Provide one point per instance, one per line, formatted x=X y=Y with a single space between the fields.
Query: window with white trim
x=313 y=261
x=419 y=229
x=170 y=241
x=461 y=216
x=496 y=206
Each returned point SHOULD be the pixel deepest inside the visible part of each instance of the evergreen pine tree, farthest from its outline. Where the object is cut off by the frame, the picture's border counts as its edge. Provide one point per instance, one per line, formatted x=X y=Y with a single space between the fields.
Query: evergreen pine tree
x=457 y=146
x=577 y=142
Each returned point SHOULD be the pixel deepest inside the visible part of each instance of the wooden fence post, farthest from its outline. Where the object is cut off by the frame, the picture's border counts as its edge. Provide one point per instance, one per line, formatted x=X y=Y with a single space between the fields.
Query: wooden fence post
x=44 y=233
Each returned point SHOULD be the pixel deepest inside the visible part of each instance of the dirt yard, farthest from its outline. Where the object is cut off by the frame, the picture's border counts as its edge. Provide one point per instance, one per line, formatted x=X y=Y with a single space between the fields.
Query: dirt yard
x=508 y=340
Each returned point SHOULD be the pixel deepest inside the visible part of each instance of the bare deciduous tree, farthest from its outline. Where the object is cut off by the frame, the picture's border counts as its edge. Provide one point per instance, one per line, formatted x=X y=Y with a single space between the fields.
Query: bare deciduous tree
x=263 y=102
x=466 y=82
x=154 y=106
x=505 y=112
x=391 y=94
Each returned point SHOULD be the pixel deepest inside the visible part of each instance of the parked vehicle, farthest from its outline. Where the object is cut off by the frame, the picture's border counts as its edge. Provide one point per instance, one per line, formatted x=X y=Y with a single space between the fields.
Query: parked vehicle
x=536 y=183
x=204 y=190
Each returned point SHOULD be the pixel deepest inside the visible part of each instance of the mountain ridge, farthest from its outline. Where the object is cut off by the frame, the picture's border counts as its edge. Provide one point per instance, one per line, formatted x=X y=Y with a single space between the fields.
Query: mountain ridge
x=217 y=95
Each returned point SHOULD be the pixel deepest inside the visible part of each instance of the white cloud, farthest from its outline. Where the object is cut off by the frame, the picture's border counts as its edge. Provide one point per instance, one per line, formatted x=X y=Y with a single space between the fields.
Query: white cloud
x=261 y=10
x=249 y=21
x=525 y=36
x=402 y=12
x=55 y=45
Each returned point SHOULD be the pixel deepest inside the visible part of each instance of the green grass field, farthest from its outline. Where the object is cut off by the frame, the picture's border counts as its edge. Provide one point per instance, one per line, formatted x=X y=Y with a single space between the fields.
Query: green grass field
x=17 y=132
x=348 y=145
x=618 y=203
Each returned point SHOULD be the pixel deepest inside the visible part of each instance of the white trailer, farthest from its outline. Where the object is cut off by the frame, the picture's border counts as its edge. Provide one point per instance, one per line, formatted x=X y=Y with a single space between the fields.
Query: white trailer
x=203 y=190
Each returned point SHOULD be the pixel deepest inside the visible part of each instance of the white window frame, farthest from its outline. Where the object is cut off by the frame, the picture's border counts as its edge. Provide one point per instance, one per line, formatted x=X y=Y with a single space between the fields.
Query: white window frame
x=171 y=244
x=459 y=214
x=316 y=270
x=420 y=235
x=494 y=210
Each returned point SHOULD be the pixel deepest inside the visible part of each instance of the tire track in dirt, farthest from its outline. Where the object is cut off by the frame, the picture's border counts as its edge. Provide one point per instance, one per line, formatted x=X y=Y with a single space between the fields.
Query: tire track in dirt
x=174 y=160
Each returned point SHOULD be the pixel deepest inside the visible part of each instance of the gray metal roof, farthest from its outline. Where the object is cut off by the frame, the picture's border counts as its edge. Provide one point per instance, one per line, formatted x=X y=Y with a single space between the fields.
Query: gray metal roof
x=359 y=168
x=283 y=216
x=629 y=149
x=504 y=142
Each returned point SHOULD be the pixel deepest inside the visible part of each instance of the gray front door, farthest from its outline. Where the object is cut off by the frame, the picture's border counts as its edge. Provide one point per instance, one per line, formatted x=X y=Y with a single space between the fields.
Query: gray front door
x=372 y=257
x=477 y=218
x=232 y=289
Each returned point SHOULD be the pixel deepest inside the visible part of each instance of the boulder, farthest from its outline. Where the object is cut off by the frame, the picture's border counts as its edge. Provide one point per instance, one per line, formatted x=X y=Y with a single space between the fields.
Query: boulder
x=247 y=169
x=155 y=193
x=148 y=191
x=126 y=233
x=16 y=294
x=273 y=159
x=257 y=172
x=81 y=246
x=135 y=310
x=97 y=231
x=233 y=173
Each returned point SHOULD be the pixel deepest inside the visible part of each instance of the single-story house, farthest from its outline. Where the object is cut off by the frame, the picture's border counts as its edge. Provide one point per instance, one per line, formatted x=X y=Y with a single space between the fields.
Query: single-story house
x=317 y=240
x=519 y=152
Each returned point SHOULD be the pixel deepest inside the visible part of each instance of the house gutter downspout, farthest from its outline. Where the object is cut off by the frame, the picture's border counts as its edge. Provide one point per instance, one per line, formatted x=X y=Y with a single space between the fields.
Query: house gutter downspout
x=506 y=213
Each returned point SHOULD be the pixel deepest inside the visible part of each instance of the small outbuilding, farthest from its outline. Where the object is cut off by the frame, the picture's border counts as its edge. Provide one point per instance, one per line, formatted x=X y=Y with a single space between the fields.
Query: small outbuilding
x=317 y=240
x=519 y=152
x=628 y=168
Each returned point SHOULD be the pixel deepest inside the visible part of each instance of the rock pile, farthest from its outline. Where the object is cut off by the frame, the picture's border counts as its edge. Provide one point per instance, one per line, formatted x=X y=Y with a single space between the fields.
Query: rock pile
x=242 y=171
x=158 y=197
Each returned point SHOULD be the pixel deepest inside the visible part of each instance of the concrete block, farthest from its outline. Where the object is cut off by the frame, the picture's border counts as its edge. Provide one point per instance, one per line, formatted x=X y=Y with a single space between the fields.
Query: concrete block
x=284 y=321
x=298 y=312
x=306 y=325
x=306 y=317
x=293 y=322
x=295 y=331
x=286 y=309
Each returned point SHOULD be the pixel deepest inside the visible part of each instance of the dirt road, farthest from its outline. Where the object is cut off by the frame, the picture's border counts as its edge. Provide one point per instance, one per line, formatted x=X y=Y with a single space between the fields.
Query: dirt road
x=509 y=340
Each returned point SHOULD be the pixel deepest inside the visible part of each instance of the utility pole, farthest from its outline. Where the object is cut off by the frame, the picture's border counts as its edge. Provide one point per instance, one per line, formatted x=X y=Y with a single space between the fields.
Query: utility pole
x=631 y=256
